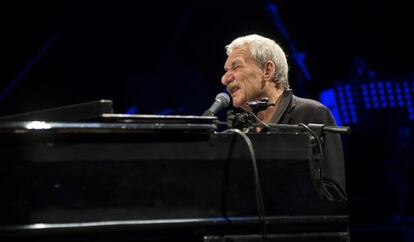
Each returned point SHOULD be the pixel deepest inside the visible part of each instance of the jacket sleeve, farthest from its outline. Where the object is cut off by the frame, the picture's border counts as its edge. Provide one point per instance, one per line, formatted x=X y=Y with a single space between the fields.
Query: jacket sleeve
x=333 y=164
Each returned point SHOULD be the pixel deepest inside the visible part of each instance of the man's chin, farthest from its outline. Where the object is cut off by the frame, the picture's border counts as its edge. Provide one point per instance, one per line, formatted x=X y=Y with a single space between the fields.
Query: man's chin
x=237 y=104
x=241 y=105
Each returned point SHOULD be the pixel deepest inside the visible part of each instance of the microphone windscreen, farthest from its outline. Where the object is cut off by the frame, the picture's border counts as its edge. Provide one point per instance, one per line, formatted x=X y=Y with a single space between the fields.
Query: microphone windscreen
x=224 y=99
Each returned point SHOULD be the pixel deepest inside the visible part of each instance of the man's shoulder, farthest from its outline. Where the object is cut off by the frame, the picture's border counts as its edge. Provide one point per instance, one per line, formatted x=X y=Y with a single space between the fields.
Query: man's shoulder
x=307 y=103
x=304 y=110
x=311 y=111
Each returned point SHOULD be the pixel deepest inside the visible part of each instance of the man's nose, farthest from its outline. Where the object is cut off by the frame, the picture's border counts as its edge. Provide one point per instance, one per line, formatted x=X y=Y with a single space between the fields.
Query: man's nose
x=227 y=78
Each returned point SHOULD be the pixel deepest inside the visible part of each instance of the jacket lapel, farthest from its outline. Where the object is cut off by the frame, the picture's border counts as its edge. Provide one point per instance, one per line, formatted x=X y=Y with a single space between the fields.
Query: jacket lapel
x=286 y=105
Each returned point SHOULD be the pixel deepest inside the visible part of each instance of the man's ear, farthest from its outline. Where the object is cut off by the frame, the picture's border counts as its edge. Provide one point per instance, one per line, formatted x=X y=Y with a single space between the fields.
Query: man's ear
x=269 y=71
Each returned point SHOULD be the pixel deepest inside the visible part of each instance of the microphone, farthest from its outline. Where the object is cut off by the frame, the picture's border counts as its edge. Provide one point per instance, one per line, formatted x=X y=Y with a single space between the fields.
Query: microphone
x=222 y=101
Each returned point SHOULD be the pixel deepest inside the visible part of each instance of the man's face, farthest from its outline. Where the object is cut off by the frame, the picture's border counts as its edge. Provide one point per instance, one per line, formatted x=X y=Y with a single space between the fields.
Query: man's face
x=243 y=77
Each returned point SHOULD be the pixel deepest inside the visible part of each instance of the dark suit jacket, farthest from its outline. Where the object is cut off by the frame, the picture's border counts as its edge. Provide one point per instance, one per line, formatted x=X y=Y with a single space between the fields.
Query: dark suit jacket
x=295 y=110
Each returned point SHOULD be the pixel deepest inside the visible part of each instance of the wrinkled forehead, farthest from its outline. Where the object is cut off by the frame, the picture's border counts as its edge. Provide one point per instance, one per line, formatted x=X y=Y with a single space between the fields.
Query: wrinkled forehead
x=243 y=50
x=238 y=55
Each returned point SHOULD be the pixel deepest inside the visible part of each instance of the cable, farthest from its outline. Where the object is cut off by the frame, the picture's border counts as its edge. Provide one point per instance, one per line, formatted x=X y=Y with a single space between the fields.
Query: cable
x=317 y=173
x=306 y=127
x=259 y=120
x=318 y=140
x=259 y=196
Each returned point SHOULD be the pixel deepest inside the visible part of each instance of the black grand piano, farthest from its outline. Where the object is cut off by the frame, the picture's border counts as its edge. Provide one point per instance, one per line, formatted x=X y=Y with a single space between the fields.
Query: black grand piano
x=157 y=178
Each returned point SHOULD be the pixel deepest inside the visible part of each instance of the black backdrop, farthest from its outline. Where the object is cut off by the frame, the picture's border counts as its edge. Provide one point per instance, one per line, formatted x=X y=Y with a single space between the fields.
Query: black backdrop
x=167 y=57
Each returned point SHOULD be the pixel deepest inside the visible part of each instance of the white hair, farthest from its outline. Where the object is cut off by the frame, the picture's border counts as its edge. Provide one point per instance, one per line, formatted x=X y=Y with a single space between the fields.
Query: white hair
x=263 y=49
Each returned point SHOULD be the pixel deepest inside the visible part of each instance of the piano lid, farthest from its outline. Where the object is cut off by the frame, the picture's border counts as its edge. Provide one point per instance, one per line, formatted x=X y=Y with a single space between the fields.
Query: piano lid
x=69 y=113
x=117 y=123
x=98 y=116
x=149 y=118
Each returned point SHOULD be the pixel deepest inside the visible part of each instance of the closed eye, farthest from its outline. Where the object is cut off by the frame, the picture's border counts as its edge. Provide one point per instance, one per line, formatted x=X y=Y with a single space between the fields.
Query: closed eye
x=235 y=67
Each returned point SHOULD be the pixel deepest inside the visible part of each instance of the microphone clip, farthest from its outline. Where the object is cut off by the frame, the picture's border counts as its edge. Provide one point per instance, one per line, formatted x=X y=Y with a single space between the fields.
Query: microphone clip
x=240 y=121
x=246 y=120
x=259 y=105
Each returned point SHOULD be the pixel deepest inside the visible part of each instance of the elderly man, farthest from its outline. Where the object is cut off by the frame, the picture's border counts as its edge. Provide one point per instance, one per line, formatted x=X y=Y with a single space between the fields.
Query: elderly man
x=256 y=67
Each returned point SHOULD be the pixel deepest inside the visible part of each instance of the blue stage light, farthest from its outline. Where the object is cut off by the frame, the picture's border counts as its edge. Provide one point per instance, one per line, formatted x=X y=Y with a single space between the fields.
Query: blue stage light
x=367 y=103
x=349 y=94
x=365 y=95
x=342 y=100
x=381 y=91
x=340 y=91
x=409 y=103
x=378 y=95
x=380 y=87
x=132 y=110
x=373 y=89
x=346 y=120
x=374 y=96
x=384 y=103
x=345 y=117
x=392 y=100
x=355 y=120
x=328 y=98
x=390 y=93
x=407 y=94
x=375 y=102
x=406 y=87
x=411 y=112
x=398 y=88
x=353 y=112
x=398 y=91
x=364 y=88
x=349 y=97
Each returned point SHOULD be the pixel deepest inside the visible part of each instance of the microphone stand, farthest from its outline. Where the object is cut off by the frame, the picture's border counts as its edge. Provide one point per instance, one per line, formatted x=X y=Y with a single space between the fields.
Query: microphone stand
x=248 y=121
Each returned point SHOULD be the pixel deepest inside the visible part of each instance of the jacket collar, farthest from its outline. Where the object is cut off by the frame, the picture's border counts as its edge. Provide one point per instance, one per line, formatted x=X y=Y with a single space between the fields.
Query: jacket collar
x=285 y=106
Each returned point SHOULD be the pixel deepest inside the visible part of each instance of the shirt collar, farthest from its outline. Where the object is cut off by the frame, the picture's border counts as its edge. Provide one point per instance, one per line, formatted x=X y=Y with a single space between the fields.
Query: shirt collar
x=283 y=105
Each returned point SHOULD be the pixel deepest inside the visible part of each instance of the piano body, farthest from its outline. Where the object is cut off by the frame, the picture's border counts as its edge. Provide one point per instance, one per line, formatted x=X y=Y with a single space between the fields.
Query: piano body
x=157 y=178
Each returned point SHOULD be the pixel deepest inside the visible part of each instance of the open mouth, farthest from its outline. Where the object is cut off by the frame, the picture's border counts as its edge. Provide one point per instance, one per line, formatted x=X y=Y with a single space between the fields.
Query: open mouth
x=233 y=90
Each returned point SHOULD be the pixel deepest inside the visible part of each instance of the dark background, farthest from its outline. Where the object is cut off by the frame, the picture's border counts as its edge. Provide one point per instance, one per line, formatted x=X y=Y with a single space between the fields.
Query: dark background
x=167 y=58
